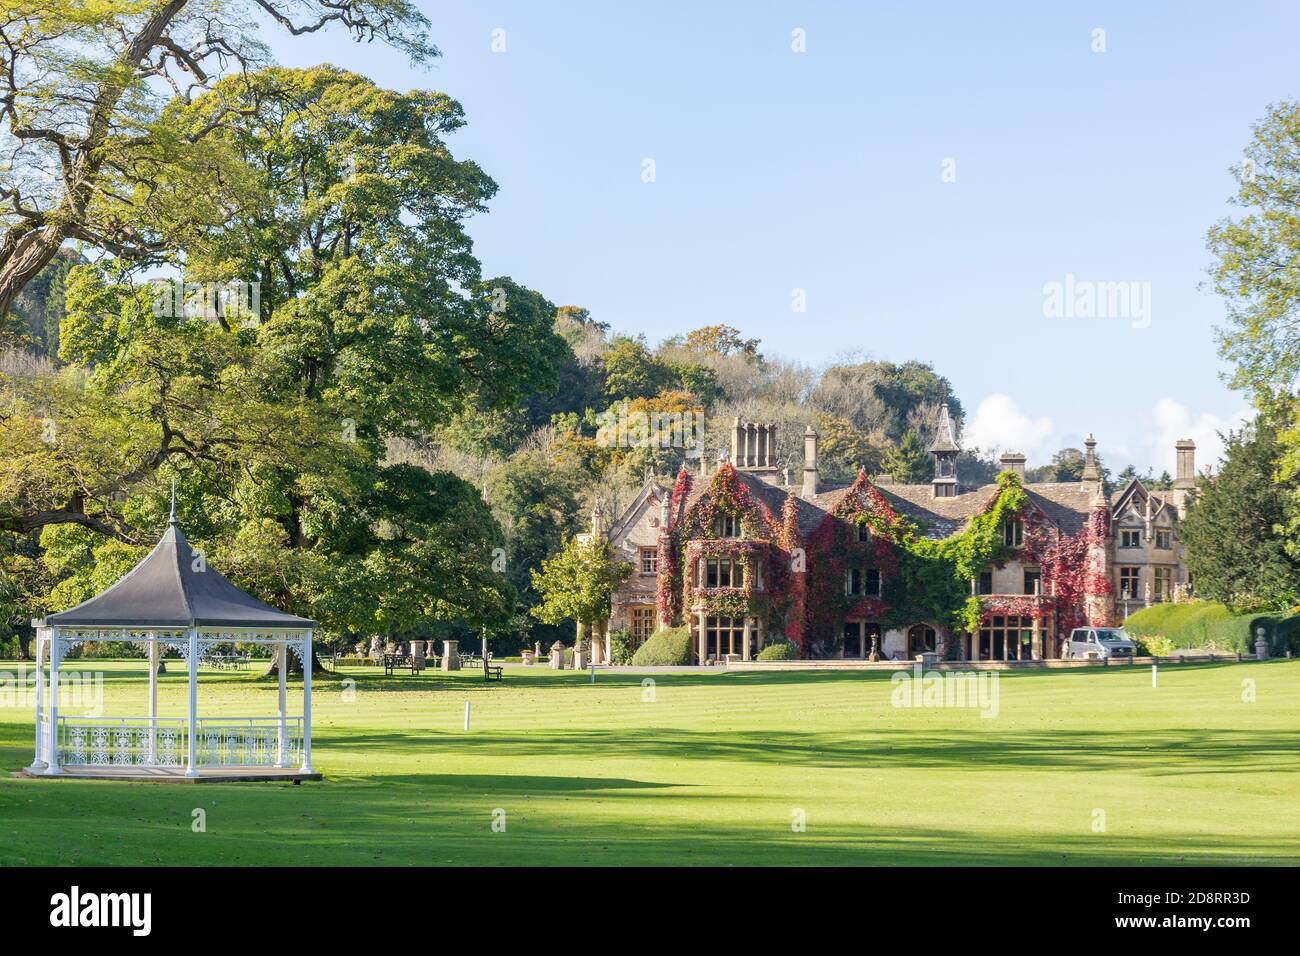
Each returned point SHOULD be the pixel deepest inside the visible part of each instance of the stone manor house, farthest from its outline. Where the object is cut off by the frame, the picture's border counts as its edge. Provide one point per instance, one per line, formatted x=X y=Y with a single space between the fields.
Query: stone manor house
x=741 y=554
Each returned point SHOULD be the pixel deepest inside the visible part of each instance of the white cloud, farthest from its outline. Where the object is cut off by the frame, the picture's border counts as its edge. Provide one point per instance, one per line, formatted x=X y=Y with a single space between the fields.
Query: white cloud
x=1000 y=425
x=1169 y=420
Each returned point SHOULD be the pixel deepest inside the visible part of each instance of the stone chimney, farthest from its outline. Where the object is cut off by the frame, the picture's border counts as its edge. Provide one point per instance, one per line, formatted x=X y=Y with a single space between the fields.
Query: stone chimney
x=1091 y=470
x=597 y=523
x=1013 y=462
x=1185 y=478
x=753 y=448
x=664 y=499
x=1186 y=469
x=809 y=463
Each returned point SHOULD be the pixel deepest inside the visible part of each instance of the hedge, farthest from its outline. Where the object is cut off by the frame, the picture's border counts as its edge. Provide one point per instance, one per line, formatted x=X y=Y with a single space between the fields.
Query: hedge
x=1209 y=625
x=668 y=648
x=779 y=651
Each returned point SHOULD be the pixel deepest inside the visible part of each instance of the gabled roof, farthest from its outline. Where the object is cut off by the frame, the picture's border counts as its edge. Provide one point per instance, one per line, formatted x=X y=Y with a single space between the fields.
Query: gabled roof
x=654 y=487
x=170 y=588
x=1135 y=495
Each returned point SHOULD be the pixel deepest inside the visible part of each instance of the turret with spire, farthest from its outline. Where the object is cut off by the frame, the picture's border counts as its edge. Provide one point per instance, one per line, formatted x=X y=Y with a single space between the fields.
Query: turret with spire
x=945 y=450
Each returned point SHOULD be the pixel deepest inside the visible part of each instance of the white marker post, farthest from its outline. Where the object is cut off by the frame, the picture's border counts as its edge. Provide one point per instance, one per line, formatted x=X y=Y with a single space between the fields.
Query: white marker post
x=593 y=672
x=1153 y=675
x=467 y=715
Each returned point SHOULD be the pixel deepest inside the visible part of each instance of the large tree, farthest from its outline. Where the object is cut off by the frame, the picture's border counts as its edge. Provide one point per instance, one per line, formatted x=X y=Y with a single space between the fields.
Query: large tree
x=374 y=324
x=1257 y=271
x=83 y=86
x=1235 y=552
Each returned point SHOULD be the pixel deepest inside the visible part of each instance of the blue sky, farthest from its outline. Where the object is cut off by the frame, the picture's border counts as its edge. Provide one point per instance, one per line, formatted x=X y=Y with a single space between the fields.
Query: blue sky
x=823 y=171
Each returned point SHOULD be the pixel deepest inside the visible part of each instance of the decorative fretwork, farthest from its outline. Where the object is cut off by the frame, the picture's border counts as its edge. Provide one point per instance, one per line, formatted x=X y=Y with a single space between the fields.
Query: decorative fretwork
x=121 y=741
x=253 y=742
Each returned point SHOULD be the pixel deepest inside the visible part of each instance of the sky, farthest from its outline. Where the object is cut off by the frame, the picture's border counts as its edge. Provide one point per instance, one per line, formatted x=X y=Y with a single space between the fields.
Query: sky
x=890 y=180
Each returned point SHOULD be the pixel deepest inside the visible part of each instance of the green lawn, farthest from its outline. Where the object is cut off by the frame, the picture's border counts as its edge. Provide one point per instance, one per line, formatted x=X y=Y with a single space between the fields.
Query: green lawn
x=710 y=772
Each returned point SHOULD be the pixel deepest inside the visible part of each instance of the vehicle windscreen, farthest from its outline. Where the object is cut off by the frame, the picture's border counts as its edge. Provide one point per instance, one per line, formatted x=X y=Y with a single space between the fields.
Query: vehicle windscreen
x=1112 y=635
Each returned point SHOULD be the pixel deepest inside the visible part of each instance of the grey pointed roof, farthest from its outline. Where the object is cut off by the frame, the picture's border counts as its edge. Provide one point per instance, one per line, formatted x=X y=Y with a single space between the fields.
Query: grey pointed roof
x=166 y=589
x=944 y=439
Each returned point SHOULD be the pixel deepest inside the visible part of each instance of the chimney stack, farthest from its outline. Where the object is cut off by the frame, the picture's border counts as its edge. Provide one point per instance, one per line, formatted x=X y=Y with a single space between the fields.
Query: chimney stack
x=809 y=462
x=1091 y=470
x=1186 y=473
x=1013 y=462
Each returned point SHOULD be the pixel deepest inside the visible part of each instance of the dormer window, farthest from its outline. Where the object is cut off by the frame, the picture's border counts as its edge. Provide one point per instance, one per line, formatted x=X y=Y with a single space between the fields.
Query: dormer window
x=1013 y=533
x=726 y=526
x=1130 y=538
x=1164 y=539
x=864 y=534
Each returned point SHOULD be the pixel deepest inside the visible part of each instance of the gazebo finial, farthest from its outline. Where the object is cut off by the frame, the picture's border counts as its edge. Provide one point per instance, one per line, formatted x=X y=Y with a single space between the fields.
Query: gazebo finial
x=171 y=519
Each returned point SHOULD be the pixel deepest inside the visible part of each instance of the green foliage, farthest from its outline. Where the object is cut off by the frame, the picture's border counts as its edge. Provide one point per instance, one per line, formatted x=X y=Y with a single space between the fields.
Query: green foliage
x=779 y=651
x=667 y=648
x=908 y=462
x=1236 y=551
x=1255 y=253
x=621 y=648
x=578 y=582
x=932 y=580
x=1163 y=628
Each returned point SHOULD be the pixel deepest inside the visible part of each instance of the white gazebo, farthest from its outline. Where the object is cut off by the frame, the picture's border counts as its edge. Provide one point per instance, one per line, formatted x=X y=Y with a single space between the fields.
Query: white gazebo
x=173 y=599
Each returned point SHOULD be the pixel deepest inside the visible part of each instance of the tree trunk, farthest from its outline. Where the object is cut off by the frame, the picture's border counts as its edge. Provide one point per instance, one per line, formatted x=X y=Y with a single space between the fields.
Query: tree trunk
x=31 y=253
x=296 y=668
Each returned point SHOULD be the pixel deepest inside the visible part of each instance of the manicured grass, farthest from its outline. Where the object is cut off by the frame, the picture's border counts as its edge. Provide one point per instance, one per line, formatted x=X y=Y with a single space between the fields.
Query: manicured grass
x=710 y=772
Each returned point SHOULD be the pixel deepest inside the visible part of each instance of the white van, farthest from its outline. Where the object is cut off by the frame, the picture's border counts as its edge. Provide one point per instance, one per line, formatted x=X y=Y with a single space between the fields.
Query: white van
x=1099 y=643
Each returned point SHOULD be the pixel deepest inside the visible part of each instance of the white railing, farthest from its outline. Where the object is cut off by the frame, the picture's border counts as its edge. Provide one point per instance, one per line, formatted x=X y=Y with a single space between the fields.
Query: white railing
x=164 y=741
x=122 y=741
x=249 y=741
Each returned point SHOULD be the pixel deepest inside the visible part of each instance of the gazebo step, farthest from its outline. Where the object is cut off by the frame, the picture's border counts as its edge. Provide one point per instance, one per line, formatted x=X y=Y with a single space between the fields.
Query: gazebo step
x=176 y=774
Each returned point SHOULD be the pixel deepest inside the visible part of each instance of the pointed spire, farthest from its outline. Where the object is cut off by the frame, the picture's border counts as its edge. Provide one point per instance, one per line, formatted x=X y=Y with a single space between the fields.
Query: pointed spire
x=171 y=519
x=944 y=438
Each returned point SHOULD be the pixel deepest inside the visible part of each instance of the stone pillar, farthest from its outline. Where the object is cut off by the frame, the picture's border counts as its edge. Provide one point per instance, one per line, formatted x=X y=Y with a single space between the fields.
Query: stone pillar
x=417 y=655
x=703 y=637
x=450 y=656
x=744 y=651
x=1261 y=644
x=537 y=650
x=557 y=656
x=579 y=657
x=1036 y=648
x=376 y=648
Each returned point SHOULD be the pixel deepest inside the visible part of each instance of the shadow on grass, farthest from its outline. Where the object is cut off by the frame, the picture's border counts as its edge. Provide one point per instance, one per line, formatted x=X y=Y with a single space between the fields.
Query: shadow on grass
x=430 y=819
x=1157 y=752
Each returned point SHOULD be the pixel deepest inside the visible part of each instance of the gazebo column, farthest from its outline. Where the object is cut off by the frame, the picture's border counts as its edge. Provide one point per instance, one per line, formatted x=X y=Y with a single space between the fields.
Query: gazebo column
x=56 y=658
x=306 y=704
x=154 y=656
x=192 y=767
x=42 y=642
x=282 y=655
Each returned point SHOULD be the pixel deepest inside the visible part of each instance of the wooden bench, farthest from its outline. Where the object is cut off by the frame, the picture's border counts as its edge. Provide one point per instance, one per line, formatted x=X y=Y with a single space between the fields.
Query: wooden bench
x=393 y=662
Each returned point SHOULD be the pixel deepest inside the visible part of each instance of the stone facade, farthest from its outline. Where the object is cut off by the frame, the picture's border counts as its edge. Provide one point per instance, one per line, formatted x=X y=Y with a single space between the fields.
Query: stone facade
x=1123 y=545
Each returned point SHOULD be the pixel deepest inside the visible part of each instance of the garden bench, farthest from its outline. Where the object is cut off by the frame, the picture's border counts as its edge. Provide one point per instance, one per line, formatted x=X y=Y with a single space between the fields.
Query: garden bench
x=492 y=671
x=393 y=662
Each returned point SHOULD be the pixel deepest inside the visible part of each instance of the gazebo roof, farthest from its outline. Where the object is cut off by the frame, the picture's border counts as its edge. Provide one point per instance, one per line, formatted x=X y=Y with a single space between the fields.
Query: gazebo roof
x=167 y=590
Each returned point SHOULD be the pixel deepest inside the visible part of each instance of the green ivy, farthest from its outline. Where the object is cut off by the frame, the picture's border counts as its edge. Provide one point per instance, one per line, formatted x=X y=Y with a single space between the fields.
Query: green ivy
x=932 y=578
